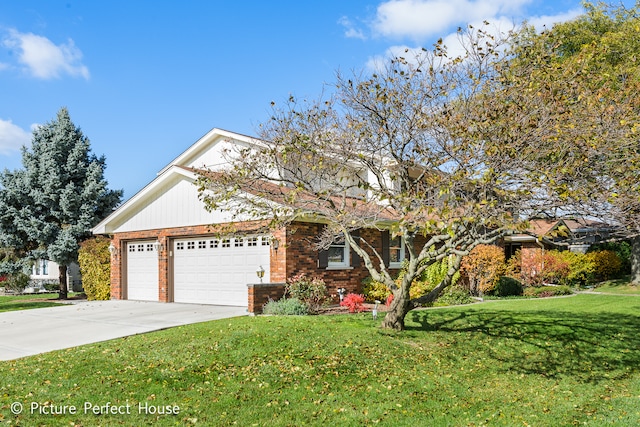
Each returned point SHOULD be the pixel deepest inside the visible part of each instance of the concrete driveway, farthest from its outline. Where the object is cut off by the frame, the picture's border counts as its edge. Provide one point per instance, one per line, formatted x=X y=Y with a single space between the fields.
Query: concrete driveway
x=28 y=332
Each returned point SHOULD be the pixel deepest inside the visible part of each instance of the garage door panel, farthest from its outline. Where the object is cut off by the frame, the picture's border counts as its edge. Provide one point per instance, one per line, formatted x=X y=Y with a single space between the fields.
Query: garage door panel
x=142 y=271
x=209 y=271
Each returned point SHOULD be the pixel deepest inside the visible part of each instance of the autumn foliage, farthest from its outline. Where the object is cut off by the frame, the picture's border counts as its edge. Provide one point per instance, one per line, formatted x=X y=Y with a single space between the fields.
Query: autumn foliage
x=354 y=302
x=483 y=267
x=95 y=265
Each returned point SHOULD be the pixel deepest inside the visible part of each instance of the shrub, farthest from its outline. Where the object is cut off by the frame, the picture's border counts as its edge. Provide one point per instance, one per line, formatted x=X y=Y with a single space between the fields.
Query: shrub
x=622 y=249
x=607 y=264
x=506 y=287
x=540 y=266
x=454 y=295
x=581 y=269
x=52 y=285
x=353 y=302
x=420 y=287
x=482 y=268
x=436 y=272
x=95 y=266
x=374 y=291
x=16 y=282
x=547 y=291
x=429 y=279
x=312 y=292
x=286 y=307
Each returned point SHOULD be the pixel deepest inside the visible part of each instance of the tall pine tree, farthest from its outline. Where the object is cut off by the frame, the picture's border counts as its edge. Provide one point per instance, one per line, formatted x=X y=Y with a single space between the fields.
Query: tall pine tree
x=50 y=205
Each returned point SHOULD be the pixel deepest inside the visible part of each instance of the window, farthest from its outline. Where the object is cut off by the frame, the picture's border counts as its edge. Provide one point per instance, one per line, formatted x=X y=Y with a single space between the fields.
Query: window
x=180 y=246
x=213 y=244
x=191 y=245
x=252 y=241
x=202 y=244
x=149 y=247
x=396 y=252
x=338 y=254
x=265 y=240
x=140 y=248
x=226 y=243
x=132 y=248
x=40 y=267
x=238 y=242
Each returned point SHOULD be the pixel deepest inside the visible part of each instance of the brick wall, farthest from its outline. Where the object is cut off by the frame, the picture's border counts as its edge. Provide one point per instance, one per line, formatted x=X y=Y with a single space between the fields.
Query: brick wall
x=302 y=257
x=119 y=240
x=293 y=252
x=260 y=294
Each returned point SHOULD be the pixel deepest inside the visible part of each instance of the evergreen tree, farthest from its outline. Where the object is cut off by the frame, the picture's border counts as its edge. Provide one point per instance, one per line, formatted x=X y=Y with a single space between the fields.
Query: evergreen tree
x=50 y=205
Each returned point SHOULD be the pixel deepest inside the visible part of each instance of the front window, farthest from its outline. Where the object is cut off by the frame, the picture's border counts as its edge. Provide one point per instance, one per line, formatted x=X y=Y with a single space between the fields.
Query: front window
x=339 y=254
x=396 y=252
x=40 y=267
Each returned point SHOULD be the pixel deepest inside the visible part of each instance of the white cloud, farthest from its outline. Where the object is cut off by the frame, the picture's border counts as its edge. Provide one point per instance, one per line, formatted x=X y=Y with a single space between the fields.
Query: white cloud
x=420 y=19
x=12 y=137
x=350 y=30
x=424 y=21
x=548 y=20
x=44 y=59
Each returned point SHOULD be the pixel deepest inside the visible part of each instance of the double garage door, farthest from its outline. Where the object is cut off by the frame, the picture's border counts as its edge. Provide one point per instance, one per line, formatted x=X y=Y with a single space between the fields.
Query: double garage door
x=205 y=270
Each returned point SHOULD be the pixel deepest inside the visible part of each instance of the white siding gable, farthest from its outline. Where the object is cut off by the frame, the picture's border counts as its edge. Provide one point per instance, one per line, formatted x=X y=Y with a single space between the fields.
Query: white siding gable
x=174 y=203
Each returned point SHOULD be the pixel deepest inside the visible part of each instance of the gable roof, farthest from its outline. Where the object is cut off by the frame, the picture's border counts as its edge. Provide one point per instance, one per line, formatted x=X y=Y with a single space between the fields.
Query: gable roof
x=202 y=153
x=191 y=154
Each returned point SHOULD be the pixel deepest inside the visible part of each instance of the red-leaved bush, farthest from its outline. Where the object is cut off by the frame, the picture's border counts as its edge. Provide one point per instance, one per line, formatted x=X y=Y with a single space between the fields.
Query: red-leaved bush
x=353 y=302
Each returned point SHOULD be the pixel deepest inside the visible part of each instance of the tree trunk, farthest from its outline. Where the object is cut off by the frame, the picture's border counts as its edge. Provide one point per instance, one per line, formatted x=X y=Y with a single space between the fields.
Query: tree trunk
x=397 y=311
x=635 y=260
x=63 y=281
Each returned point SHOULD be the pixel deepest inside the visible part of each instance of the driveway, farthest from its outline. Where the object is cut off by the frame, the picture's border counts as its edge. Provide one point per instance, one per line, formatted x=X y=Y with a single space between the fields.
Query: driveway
x=28 y=332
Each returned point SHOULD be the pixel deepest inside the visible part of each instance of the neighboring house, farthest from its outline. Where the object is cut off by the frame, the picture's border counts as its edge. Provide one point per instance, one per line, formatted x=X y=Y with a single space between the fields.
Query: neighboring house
x=586 y=232
x=541 y=234
x=45 y=271
x=576 y=235
x=165 y=247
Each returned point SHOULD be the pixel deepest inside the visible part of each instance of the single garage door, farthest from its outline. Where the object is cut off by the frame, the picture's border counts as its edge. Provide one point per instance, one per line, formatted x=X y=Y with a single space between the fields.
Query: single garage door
x=142 y=271
x=217 y=271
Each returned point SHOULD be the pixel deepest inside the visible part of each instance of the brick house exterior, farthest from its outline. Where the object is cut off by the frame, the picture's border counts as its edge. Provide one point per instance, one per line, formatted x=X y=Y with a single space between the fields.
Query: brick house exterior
x=154 y=231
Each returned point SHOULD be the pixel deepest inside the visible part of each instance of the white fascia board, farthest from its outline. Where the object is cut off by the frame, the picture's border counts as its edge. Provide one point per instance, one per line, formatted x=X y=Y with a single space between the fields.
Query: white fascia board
x=139 y=197
x=520 y=238
x=204 y=141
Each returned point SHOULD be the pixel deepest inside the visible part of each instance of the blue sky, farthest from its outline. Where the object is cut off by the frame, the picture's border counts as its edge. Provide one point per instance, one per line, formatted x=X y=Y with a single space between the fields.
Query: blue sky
x=145 y=79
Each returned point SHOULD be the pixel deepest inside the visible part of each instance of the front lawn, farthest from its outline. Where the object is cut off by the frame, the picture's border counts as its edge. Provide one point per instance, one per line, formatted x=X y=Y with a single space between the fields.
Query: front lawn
x=620 y=286
x=544 y=362
x=25 y=302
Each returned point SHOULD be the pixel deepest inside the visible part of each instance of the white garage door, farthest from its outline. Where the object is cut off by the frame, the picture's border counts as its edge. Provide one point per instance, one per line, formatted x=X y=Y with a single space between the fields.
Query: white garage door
x=142 y=271
x=217 y=271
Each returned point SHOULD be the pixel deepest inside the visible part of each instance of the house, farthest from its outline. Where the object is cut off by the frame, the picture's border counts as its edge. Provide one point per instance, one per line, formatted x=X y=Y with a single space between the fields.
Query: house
x=586 y=232
x=45 y=272
x=541 y=234
x=167 y=247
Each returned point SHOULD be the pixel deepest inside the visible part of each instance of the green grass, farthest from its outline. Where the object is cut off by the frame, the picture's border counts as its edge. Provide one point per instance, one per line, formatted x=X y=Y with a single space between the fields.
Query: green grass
x=26 y=302
x=544 y=362
x=620 y=286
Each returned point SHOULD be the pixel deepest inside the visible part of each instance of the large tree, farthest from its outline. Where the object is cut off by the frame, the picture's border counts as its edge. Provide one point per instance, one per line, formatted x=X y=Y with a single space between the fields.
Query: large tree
x=47 y=207
x=586 y=74
x=403 y=148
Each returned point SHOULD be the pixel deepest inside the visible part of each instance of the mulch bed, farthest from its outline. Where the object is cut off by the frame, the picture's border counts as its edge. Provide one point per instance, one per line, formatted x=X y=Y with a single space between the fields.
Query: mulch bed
x=337 y=309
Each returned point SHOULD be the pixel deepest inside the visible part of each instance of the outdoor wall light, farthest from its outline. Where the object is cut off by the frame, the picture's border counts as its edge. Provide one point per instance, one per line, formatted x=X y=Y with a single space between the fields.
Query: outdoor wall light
x=158 y=247
x=275 y=243
x=113 y=250
x=260 y=273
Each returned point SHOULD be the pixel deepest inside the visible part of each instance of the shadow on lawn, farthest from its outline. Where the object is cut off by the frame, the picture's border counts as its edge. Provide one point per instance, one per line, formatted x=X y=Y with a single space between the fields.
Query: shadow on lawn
x=590 y=347
x=18 y=305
